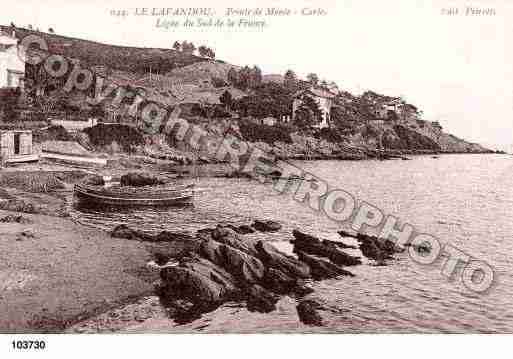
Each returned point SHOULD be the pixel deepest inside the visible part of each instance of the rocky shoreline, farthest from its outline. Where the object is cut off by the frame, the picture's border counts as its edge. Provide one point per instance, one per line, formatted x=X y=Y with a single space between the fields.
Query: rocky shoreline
x=221 y=265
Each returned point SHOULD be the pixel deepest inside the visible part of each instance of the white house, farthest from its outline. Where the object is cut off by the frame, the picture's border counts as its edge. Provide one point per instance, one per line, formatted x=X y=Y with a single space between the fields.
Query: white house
x=383 y=110
x=324 y=99
x=12 y=61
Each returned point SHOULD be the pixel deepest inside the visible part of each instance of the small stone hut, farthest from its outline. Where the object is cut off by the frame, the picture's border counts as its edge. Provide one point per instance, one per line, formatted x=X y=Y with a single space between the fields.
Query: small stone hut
x=16 y=146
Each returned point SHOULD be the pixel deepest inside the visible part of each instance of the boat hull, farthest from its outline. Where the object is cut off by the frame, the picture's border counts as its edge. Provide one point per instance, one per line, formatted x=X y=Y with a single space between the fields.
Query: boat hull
x=168 y=198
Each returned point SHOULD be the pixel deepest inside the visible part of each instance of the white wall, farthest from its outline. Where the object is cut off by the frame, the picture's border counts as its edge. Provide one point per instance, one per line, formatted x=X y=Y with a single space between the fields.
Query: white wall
x=10 y=59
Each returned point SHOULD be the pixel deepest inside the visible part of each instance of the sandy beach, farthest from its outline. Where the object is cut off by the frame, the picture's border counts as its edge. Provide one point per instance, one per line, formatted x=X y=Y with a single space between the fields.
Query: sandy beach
x=55 y=272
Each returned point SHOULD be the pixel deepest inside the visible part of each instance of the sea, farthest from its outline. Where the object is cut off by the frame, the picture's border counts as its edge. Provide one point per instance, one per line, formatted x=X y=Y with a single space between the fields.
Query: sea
x=463 y=200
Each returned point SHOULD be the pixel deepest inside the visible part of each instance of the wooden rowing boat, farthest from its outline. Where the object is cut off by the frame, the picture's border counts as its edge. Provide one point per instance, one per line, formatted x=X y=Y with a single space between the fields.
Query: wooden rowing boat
x=134 y=196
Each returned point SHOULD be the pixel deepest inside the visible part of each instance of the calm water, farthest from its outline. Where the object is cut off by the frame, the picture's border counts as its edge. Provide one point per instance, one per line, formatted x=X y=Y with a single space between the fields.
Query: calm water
x=465 y=200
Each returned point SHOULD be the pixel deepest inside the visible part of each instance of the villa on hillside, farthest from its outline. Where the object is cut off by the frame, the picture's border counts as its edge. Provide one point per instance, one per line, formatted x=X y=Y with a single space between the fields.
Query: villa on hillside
x=12 y=61
x=324 y=99
x=388 y=109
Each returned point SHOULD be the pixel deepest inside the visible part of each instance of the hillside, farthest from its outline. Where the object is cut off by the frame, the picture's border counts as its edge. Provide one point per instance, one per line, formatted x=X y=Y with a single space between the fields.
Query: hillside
x=172 y=78
x=132 y=59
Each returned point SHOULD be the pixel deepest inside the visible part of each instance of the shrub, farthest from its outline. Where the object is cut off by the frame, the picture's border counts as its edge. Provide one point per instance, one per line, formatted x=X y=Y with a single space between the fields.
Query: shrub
x=127 y=137
x=330 y=135
x=269 y=134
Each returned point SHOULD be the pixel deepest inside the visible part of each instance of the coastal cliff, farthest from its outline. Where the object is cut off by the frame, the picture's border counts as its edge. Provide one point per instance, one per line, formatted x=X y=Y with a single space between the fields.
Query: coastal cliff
x=221 y=97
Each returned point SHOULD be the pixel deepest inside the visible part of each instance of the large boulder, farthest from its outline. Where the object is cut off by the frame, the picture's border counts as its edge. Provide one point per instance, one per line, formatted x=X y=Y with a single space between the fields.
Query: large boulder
x=200 y=289
x=322 y=268
x=229 y=237
x=246 y=268
x=273 y=258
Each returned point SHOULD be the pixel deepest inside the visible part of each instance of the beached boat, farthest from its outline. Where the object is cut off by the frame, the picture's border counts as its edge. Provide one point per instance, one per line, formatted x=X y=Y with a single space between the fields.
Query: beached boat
x=134 y=196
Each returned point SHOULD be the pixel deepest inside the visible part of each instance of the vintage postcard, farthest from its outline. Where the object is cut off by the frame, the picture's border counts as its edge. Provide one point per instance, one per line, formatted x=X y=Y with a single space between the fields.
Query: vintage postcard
x=255 y=167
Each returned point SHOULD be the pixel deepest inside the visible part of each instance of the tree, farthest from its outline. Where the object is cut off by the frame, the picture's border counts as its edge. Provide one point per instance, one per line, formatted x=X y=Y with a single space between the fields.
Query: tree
x=308 y=113
x=203 y=51
x=9 y=98
x=254 y=77
x=290 y=80
x=268 y=99
x=188 y=47
x=177 y=46
x=338 y=116
x=226 y=99
x=233 y=76
x=303 y=117
x=313 y=79
x=244 y=75
x=211 y=53
x=192 y=48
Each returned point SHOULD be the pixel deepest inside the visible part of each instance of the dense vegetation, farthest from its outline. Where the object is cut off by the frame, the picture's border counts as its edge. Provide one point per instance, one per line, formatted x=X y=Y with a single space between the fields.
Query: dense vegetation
x=126 y=137
x=254 y=132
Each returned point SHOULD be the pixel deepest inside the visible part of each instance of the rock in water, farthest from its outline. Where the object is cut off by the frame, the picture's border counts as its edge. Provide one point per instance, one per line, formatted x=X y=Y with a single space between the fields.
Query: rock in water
x=308 y=312
x=322 y=268
x=273 y=258
x=245 y=229
x=266 y=226
x=378 y=249
x=123 y=231
x=372 y=251
x=260 y=300
x=309 y=244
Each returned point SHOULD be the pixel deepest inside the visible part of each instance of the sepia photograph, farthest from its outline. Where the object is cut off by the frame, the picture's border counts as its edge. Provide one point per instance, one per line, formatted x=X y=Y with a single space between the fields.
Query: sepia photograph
x=255 y=167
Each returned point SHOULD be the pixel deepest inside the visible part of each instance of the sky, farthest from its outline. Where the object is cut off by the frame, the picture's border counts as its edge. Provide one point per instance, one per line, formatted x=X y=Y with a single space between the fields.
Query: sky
x=456 y=67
